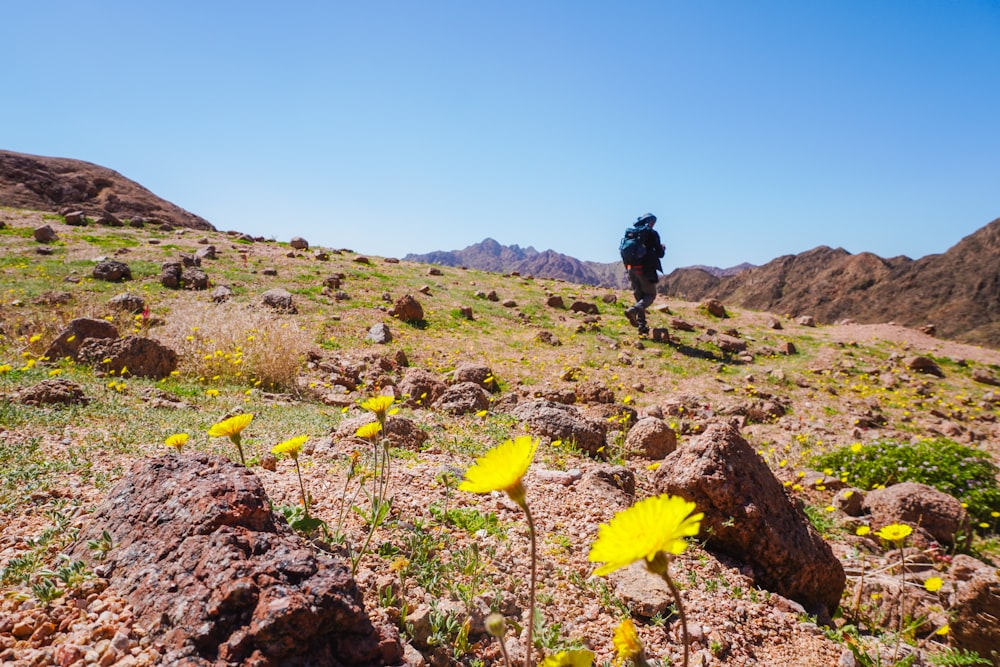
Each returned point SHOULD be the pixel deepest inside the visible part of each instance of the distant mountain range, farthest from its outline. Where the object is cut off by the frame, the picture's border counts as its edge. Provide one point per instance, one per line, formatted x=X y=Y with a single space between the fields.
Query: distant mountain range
x=957 y=291
x=488 y=255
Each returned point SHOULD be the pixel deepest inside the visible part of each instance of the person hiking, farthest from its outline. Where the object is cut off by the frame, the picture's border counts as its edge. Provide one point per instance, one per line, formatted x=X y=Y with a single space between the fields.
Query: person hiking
x=641 y=253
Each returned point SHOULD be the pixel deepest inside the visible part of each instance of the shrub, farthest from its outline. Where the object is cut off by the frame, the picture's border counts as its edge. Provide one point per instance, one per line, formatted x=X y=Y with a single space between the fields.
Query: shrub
x=958 y=470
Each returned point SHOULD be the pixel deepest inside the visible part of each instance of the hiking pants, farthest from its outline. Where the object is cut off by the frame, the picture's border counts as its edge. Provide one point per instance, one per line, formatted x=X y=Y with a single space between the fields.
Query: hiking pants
x=644 y=290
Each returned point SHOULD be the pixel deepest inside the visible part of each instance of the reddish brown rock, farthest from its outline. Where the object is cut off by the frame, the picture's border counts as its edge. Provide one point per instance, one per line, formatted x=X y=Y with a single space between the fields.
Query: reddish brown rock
x=218 y=580
x=407 y=309
x=68 y=342
x=650 y=438
x=748 y=517
x=928 y=511
x=140 y=356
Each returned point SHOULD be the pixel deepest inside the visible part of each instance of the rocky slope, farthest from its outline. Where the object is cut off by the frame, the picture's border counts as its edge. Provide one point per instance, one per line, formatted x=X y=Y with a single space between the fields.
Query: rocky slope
x=53 y=184
x=958 y=291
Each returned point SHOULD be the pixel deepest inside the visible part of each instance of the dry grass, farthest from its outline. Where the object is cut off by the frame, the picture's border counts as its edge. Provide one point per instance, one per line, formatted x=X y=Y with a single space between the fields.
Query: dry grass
x=235 y=343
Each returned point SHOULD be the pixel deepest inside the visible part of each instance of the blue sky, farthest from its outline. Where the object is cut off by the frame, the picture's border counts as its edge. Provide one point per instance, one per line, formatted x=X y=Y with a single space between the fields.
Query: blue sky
x=752 y=129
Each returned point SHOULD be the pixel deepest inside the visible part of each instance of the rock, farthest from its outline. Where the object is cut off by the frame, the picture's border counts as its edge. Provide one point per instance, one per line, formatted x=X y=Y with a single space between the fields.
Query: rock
x=194 y=278
x=279 y=299
x=478 y=373
x=75 y=218
x=616 y=477
x=112 y=271
x=53 y=392
x=592 y=391
x=927 y=510
x=923 y=364
x=584 y=307
x=45 y=234
x=555 y=301
x=975 y=625
x=407 y=309
x=850 y=501
x=299 y=243
x=650 y=438
x=379 y=334
x=730 y=344
x=67 y=343
x=749 y=517
x=714 y=308
x=562 y=422
x=678 y=324
x=143 y=357
x=405 y=433
x=463 y=398
x=787 y=348
x=546 y=336
x=215 y=578
x=421 y=387
x=129 y=302
x=170 y=274
x=221 y=294
x=985 y=377
x=206 y=252
x=806 y=321
x=644 y=593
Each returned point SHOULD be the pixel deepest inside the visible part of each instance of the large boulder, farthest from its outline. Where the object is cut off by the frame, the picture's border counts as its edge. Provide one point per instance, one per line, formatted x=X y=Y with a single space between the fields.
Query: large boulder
x=67 y=343
x=217 y=579
x=407 y=309
x=562 y=422
x=420 y=387
x=279 y=299
x=928 y=511
x=748 y=517
x=463 y=398
x=142 y=357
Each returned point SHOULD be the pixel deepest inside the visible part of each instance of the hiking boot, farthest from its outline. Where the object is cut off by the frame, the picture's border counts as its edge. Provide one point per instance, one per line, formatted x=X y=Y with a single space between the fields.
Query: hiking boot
x=643 y=330
x=633 y=316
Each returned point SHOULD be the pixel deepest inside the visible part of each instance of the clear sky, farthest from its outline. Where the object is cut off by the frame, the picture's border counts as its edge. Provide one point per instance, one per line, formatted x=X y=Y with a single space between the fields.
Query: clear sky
x=753 y=129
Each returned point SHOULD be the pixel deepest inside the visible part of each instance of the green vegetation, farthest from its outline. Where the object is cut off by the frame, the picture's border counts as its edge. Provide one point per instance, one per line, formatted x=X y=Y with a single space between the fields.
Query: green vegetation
x=959 y=470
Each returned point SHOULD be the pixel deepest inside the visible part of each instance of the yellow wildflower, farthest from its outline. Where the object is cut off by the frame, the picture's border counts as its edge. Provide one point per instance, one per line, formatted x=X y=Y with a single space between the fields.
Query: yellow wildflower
x=291 y=447
x=502 y=468
x=628 y=646
x=177 y=441
x=933 y=584
x=649 y=528
x=894 y=532
x=576 y=658
x=369 y=431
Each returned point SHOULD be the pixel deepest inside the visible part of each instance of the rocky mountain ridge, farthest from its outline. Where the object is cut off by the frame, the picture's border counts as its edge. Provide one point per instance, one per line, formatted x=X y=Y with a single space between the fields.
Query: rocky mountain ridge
x=62 y=184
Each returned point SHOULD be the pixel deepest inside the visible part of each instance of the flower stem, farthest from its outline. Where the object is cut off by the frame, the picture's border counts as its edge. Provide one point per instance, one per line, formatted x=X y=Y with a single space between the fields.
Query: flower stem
x=680 y=611
x=302 y=488
x=531 y=591
x=239 y=448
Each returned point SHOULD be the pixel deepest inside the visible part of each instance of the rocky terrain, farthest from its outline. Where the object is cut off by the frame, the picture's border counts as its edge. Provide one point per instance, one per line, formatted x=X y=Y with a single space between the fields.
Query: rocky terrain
x=74 y=186
x=119 y=550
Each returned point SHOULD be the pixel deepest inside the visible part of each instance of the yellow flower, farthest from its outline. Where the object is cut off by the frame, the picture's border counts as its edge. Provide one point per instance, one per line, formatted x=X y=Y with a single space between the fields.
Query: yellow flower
x=177 y=441
x=35 y=338
x=943 y=630
x=212 y=392
x=379 y=405
x=651 y=527
x=399 y=564
x=369 y=430
x=231 y=427
x=628 y=646
x=933 y=584
x=577 y=658
x=292 y=446
x=863 y=530
x=856 y=448
x=502 y=468
x=894 y=532
x=6 y=368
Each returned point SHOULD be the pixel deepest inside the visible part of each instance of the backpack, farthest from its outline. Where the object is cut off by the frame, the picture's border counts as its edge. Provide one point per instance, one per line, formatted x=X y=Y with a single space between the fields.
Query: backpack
x=633 y=246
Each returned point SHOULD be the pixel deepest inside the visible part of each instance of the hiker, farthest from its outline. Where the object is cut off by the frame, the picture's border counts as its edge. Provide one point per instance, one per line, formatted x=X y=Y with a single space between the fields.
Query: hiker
x=641 y=252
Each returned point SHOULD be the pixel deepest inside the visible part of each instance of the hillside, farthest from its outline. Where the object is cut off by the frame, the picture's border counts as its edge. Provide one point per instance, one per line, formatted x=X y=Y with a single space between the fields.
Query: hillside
x=305 y=363
x=958 y=291
x=54 y=184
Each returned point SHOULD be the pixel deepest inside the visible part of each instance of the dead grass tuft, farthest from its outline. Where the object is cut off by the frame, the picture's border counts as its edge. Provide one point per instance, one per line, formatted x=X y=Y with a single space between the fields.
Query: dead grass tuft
x=237 y=343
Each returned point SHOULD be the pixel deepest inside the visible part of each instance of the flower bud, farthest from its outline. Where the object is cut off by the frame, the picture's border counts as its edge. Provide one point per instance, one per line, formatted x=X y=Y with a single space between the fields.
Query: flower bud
x=496 y=625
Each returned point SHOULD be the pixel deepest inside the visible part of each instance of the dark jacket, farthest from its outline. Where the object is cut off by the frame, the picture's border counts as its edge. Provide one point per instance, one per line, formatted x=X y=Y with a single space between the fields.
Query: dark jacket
x=654 y=253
